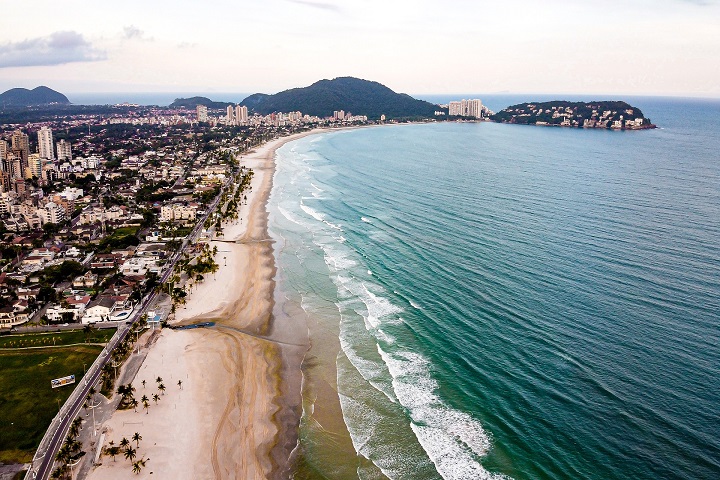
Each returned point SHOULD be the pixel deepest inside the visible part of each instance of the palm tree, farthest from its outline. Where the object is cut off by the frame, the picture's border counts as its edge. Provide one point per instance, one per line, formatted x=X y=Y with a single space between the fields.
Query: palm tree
x=136 y=468
x=113 y=451
x=124 y=443
x=156 y=397
x=146 y=404
x=180 y=384
x=134 y=404
x=159 y=379
x=136 y=438
x=161 y=387
x=130 y=453
x=143 y=383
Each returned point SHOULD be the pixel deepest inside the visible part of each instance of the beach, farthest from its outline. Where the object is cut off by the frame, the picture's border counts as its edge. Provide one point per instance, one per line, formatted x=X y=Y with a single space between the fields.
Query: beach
x=237 y=412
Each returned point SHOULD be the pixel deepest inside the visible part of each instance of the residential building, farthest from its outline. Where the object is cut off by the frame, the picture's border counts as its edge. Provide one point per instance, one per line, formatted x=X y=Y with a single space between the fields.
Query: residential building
x=241 y=114
x=51 y=213
x=202 y=113
x=20 y=145
x=64 y=150
x=45 y=143
x=178 y=211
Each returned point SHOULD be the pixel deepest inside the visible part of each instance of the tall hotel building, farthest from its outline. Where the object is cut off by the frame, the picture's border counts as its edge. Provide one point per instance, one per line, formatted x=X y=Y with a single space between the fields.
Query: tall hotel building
x=466 y=108
x=45 y=143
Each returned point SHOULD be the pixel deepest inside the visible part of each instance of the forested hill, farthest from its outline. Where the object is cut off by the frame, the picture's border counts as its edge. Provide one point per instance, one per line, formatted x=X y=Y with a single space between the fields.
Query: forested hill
x=22 y=97
x=193 y=102
x=359 y=97
x=596 y=114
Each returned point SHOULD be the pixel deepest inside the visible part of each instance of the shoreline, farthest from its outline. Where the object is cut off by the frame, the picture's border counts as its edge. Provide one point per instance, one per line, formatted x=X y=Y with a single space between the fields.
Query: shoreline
x=242 y=387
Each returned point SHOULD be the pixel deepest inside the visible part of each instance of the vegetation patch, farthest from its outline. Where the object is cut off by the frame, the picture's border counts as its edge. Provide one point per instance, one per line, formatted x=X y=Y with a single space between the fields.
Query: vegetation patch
x=27 y=401
x=52 y=339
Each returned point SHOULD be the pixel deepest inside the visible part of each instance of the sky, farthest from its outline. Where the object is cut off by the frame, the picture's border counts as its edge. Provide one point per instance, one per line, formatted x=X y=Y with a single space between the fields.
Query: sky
x=633 y=47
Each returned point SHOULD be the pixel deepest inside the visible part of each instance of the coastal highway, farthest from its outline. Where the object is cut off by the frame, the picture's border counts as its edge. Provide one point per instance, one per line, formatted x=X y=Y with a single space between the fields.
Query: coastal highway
x=58 y=430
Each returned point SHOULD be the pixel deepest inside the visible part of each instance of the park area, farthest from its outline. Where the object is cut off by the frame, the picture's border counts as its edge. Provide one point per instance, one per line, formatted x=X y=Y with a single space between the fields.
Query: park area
x=28 y=363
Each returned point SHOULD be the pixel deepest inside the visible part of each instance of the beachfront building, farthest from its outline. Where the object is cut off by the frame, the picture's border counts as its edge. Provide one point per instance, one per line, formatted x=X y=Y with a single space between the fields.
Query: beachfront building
x=178 y=212
x=466 y=108
x=230 y=115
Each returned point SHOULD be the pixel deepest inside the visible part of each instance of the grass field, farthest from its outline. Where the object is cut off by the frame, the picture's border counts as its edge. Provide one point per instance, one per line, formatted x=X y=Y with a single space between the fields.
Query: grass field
x=27 y=402
x=50 y=339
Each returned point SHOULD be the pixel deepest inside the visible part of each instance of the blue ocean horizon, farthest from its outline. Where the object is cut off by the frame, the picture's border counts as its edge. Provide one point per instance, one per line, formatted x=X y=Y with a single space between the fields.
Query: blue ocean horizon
x=503 y=301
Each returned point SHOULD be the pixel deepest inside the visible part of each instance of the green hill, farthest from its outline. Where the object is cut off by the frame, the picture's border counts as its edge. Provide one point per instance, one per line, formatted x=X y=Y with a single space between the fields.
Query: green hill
x=193 y=102
x=360 y=97
x=596 y=114
x=22 y=97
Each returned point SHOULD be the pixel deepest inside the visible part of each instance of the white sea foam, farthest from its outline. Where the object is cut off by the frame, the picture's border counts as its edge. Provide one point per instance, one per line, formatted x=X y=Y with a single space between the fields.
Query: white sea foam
x=289 y=216
x=337 y=258
x=365 y=219
x=453 y=440
x=312 y=212
x=415 y=305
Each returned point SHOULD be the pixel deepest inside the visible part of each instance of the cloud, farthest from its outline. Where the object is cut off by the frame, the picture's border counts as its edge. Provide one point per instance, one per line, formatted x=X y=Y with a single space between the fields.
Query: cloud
x=131 y=31
x=320 y=5
x=55 y=49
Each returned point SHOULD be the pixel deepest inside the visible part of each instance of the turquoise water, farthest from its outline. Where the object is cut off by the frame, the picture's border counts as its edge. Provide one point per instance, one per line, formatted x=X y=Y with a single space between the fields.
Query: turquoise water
x=511 y=301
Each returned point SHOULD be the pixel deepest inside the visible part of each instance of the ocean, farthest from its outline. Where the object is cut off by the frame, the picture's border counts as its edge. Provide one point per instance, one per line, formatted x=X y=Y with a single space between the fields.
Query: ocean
x=498 y=301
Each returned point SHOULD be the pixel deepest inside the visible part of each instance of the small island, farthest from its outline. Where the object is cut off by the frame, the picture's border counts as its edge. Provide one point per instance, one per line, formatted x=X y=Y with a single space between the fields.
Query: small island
x=612 y=115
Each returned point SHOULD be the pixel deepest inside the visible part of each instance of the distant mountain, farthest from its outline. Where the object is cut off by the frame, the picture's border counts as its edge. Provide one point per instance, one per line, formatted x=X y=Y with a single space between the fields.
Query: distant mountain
x=22 y=97
x=195 y=101
x=360 y=97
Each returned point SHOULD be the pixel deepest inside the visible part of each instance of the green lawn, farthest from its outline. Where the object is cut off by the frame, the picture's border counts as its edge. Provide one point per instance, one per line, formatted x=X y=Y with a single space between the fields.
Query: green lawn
x=123 y=231
x=27 y=402
x=50 y=339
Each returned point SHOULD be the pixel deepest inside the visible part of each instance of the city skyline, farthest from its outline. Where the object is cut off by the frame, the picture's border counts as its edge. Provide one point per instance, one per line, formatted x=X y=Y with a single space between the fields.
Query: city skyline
x=664 y=47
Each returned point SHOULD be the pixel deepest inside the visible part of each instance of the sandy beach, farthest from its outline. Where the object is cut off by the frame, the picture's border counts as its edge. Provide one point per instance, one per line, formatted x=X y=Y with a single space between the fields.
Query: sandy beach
x=237 y=413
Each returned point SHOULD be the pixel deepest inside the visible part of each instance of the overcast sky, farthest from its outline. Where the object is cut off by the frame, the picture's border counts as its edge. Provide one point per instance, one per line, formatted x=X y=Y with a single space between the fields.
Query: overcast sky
x=645 y=47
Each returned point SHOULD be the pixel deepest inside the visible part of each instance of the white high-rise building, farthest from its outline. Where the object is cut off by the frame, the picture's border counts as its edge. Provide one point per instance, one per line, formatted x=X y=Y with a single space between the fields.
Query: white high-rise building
x=230 y=117
x=64 y=150
x=465 y=108
x=202 y=115
x=45 y=143
x=241 y=114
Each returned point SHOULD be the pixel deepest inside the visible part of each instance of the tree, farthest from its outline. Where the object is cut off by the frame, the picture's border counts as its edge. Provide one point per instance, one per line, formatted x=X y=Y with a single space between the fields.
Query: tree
x=136 y=468
x=124 y=443
x=159 y=379
x=146 y=402
x=161 y=387
x=130 y=453
x=136 y=438
x=113 y=451
x=134 y=404
x=143 y=383
x=156 y=397
x=180 y=384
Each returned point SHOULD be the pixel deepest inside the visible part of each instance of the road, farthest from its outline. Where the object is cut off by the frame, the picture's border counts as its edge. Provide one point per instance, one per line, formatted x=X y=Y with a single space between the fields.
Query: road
x=77 y=398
